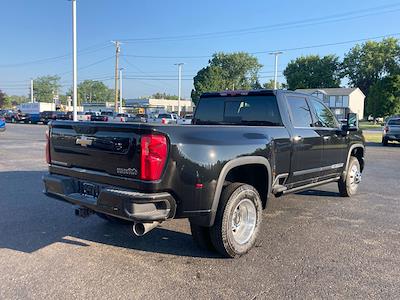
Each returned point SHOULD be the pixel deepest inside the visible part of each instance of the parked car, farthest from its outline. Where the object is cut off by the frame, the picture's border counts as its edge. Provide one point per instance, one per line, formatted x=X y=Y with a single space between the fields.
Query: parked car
x=141 y=118
x=15 y=117
x=85 y=116
x=218 y=172
x=391 y=131
x=186 y=120
x=170 y=118
x=2 y=124
x=101 y=117
x=32 y=118
x=46 y=116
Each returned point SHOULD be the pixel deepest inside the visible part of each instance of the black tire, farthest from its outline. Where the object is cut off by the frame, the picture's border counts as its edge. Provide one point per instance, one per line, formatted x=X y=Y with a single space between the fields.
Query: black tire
x=346 y=186
x=221 y=233
x=114 y=220
x=201 y=236
x=385 y=141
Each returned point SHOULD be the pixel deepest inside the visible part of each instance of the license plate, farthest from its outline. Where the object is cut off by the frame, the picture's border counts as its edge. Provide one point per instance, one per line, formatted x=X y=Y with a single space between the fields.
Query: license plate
x=89 y=189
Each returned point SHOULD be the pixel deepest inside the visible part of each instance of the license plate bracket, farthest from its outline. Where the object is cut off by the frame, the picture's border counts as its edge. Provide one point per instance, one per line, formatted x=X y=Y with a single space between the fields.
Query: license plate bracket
x=89 y=189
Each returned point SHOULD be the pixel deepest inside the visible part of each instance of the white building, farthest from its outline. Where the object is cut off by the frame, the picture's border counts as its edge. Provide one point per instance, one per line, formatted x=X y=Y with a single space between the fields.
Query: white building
x=340 y=100
x=168 y=105
x=36 y=107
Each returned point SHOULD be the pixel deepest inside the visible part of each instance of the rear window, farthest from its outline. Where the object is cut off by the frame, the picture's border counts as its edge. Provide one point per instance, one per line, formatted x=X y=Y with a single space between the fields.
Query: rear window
x=242 y=110
x=164 y=116
x=395 y=122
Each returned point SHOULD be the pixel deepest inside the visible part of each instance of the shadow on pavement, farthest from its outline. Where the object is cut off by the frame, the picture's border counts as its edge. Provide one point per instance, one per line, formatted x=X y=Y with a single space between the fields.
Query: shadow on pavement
x=31 y=221
x=319 y=193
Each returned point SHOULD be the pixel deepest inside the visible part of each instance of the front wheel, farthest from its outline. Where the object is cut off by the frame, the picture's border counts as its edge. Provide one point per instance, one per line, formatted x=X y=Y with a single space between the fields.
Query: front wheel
x=238 y=220
x=348 y=186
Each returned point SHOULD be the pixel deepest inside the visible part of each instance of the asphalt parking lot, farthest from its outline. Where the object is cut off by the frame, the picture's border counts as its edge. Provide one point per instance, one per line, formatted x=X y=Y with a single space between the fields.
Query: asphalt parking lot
x=313 y=244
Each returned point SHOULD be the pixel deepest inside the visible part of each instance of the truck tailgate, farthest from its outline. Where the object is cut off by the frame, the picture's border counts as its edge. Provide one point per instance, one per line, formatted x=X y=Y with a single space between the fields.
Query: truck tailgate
x=110 y=148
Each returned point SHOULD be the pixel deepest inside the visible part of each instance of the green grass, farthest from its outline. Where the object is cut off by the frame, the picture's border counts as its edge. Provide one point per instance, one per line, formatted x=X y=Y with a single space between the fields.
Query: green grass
x=368 y=125
x=373 y=137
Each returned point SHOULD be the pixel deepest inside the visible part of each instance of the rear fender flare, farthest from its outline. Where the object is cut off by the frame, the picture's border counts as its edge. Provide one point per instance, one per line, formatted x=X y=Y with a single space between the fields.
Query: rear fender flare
x=241 y=161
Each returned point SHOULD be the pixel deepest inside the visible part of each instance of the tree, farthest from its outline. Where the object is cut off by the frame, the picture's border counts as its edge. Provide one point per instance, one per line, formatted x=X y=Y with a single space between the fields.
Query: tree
x=46 y=87
x=227 y=71
x=271 y=84
x=384 y=97
x=164 y=96
x=94 y=91
x=4 y=100
x=366 y=64
x=312 y=71
x=16 y=100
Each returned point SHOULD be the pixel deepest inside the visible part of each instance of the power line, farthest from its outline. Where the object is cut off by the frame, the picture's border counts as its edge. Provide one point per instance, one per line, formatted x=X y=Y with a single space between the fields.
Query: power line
x=88 y=50
x=90 y=65
x=286 y=25
x=273 y=50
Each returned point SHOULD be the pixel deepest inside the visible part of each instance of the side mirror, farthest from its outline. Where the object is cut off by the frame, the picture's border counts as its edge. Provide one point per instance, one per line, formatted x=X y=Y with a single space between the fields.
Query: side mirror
x=352 y=122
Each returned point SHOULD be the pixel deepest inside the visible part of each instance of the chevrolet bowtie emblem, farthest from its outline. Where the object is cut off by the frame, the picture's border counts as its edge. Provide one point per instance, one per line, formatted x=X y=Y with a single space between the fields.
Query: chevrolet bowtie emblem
x=84 y=141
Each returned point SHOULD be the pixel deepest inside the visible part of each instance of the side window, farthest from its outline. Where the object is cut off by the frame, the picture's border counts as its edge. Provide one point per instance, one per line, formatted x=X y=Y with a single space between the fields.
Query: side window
x=325 y=118
x=301 y=114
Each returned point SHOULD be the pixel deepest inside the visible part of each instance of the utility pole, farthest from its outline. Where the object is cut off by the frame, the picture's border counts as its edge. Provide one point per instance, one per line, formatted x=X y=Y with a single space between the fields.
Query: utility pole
x=32 y=100
x=120 y=90
x=276 y=53
x=179 y=86
x=74 y=64
x=117 y=51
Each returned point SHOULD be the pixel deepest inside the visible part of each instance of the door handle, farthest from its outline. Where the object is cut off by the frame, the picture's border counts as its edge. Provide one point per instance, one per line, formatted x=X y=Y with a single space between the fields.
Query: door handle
x=297 y=138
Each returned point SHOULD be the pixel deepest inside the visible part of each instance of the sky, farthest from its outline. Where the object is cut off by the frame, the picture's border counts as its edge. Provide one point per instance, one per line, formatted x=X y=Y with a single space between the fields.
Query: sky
x=36 y=37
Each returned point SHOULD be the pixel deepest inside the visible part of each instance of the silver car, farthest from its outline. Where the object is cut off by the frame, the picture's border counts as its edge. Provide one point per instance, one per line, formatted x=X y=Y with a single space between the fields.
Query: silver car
x=391 y=131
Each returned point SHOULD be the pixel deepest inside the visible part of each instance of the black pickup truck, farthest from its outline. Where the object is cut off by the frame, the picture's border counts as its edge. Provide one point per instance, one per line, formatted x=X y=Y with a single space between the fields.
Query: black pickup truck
x=218 y=172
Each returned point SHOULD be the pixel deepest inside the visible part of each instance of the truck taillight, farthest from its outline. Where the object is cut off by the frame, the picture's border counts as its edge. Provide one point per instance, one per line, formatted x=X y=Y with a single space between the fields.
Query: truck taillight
x=153 y=156
x=48 y=157
x=163 y=121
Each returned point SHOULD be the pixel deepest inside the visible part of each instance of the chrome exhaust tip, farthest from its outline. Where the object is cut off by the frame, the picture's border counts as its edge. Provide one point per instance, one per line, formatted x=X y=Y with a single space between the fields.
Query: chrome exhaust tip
x=140 y=229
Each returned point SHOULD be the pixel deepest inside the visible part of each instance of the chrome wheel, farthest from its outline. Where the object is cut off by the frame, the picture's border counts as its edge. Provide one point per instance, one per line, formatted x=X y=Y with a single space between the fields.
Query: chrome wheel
x=244 y=220
x=355 y=177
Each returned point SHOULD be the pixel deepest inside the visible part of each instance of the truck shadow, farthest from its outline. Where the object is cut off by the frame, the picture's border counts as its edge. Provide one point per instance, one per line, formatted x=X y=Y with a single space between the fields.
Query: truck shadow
x=31 y=221
x=319 y=193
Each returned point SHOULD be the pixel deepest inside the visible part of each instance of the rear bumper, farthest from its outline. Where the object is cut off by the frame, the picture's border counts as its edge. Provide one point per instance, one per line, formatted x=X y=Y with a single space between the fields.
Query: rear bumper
x=392 y=137
x=111 y=200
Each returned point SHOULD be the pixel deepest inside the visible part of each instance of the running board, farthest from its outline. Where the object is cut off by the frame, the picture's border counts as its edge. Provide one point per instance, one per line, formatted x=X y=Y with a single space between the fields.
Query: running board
x=278 y=189
x=310 y=185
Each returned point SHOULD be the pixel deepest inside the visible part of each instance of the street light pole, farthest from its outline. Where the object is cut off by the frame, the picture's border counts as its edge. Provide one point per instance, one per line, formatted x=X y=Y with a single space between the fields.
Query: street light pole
x=120 y=90
x=276 y=53
x=179 y=86
x=74 y=64
x=32 y=91
x=117 y=51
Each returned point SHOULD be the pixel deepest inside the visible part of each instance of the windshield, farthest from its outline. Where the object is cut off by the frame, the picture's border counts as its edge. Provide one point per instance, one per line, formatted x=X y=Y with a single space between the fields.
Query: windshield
x=395 y=122
x=243 y=110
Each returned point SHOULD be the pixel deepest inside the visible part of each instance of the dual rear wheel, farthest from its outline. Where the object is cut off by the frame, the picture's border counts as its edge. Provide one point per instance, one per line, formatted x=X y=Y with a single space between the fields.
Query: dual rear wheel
x=237 y=222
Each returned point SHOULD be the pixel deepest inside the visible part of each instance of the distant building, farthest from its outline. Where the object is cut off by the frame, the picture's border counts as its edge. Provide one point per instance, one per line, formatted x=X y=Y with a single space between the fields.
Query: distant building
x=168 y=105
x=340 y=100
x=98 y=106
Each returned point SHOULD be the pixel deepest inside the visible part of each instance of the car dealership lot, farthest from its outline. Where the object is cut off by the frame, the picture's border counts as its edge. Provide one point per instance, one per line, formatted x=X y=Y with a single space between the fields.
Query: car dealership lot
x=313 y=244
